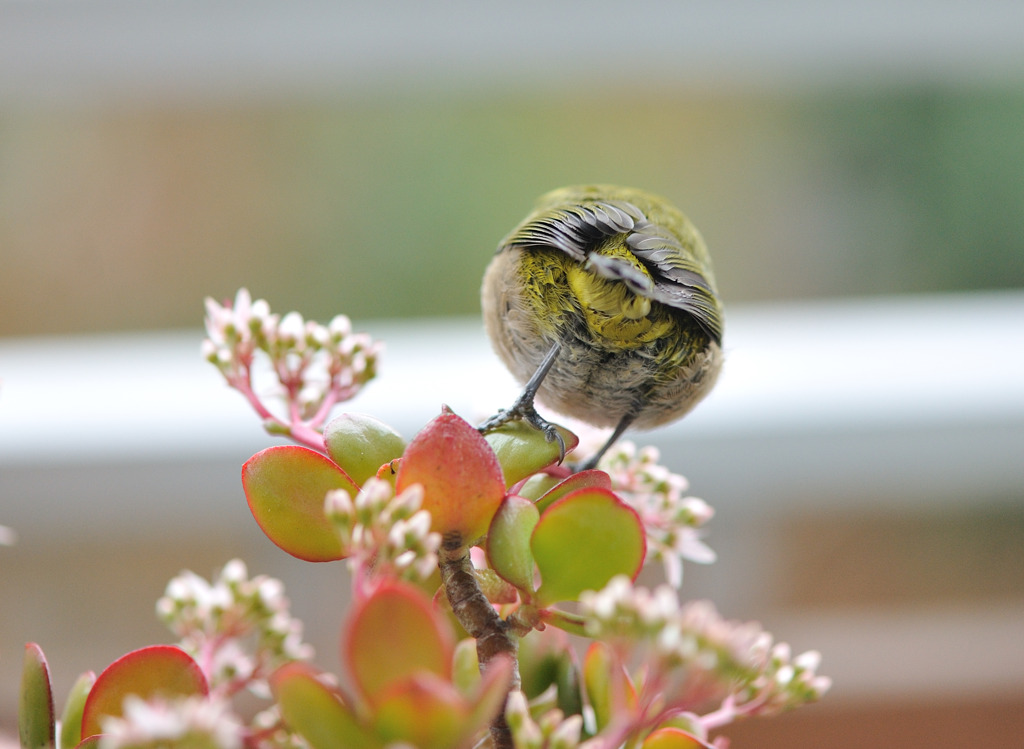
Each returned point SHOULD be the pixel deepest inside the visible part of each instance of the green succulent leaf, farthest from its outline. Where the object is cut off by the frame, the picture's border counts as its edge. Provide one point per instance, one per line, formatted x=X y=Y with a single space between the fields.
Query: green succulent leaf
x=466 y=666
x=35 y=703
x=538 y=485
x=523 y=450
x=361 y=444
x=569 y=690
x=71 y=718
x=494 y=587
x=285 y=487
x=508 y=542
x=582 y=541
x=566 y=621
x=609 y=690
x=546 y=658
x=155 y=671
x=316 y=711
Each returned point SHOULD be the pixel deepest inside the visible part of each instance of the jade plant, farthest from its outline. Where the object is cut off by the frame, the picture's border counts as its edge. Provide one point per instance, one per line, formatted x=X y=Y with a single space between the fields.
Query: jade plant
x=472 y=558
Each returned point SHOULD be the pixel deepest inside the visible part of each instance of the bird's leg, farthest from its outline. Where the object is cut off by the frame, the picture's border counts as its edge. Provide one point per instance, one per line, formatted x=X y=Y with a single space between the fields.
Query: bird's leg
x=622 y=426
x=524 y=409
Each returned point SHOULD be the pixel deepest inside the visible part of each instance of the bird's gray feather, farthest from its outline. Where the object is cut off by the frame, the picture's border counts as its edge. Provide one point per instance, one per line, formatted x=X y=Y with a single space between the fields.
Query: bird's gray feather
x=579 y=229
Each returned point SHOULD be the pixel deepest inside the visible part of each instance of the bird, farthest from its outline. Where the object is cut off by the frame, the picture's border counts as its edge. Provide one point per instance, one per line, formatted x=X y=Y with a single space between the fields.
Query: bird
x=602 y=303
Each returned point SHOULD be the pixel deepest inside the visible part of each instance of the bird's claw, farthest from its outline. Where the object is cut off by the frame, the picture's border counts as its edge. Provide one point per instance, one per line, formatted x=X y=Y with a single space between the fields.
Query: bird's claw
x=551 y=433
x=531 y=417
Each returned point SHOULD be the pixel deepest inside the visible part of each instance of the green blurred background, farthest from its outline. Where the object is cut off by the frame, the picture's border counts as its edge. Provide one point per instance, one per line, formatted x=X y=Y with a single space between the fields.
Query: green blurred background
x=125 y=217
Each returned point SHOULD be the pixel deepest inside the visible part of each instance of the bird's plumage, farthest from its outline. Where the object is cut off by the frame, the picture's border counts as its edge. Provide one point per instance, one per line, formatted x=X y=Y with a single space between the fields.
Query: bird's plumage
x=622 y=282
x=577 y=222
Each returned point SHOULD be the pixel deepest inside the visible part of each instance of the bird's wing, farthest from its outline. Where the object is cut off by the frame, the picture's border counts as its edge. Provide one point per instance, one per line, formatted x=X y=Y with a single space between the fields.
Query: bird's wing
x=678 y=280
x=574 y=229
x=674 y=279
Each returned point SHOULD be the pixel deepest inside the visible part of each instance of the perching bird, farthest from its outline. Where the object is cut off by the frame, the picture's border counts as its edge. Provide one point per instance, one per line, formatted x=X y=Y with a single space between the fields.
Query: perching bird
x=603 y=302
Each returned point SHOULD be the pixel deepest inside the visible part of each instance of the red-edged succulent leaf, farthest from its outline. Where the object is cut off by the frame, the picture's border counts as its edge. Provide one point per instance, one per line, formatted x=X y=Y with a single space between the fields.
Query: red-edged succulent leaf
x=429 y=711
x=508 y=541
x=592 y=479
x=71 y=718
x=285 y=487
x=423 y=710
x=361 y=444
x=490 y=696
x=672 y=738
x=317 y=711
x=461 y=477
x=155 y=671
x=35 y=703
x=523 y=449
x=91 y=742
x=609 y=689
x=583 y=540
x=392 y=635
x=538 y=485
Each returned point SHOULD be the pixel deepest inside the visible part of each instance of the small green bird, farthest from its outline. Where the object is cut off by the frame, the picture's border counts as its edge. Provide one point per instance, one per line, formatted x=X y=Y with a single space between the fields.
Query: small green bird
x=603 y=302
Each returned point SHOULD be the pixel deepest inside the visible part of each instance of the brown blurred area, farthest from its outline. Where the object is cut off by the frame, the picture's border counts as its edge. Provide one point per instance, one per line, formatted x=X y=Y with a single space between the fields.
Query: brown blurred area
x=125 y=218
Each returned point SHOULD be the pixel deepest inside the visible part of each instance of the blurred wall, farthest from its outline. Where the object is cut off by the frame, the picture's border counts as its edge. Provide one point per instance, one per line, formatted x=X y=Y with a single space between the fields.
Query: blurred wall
x=333 y=156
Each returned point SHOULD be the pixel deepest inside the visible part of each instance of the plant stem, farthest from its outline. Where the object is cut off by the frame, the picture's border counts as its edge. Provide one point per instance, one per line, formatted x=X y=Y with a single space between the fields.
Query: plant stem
x=476 y=614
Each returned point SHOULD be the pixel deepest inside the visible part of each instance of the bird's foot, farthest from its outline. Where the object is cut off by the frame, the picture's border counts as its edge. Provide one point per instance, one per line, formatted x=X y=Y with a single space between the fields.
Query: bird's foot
x=551 y=433
x=524 y=409
x=526 y=412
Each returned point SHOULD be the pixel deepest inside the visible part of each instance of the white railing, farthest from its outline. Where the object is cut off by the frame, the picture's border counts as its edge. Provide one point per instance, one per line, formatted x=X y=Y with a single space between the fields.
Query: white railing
x=914 y=403
x=919 y=397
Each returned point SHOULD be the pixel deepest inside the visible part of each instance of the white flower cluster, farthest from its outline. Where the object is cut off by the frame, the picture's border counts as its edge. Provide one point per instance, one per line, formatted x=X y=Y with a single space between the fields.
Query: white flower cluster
x=238 y=629
x=703 y=649
x=786 y=681
x=671 y=519
x=194 y=722
x=551 y=731
x=316 y=365
x=385 y=530
x=272 y=731
x=233 y=331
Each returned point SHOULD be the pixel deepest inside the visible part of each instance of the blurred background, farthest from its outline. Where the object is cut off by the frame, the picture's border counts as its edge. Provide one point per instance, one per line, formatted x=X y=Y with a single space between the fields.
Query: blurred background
x=857 y=170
